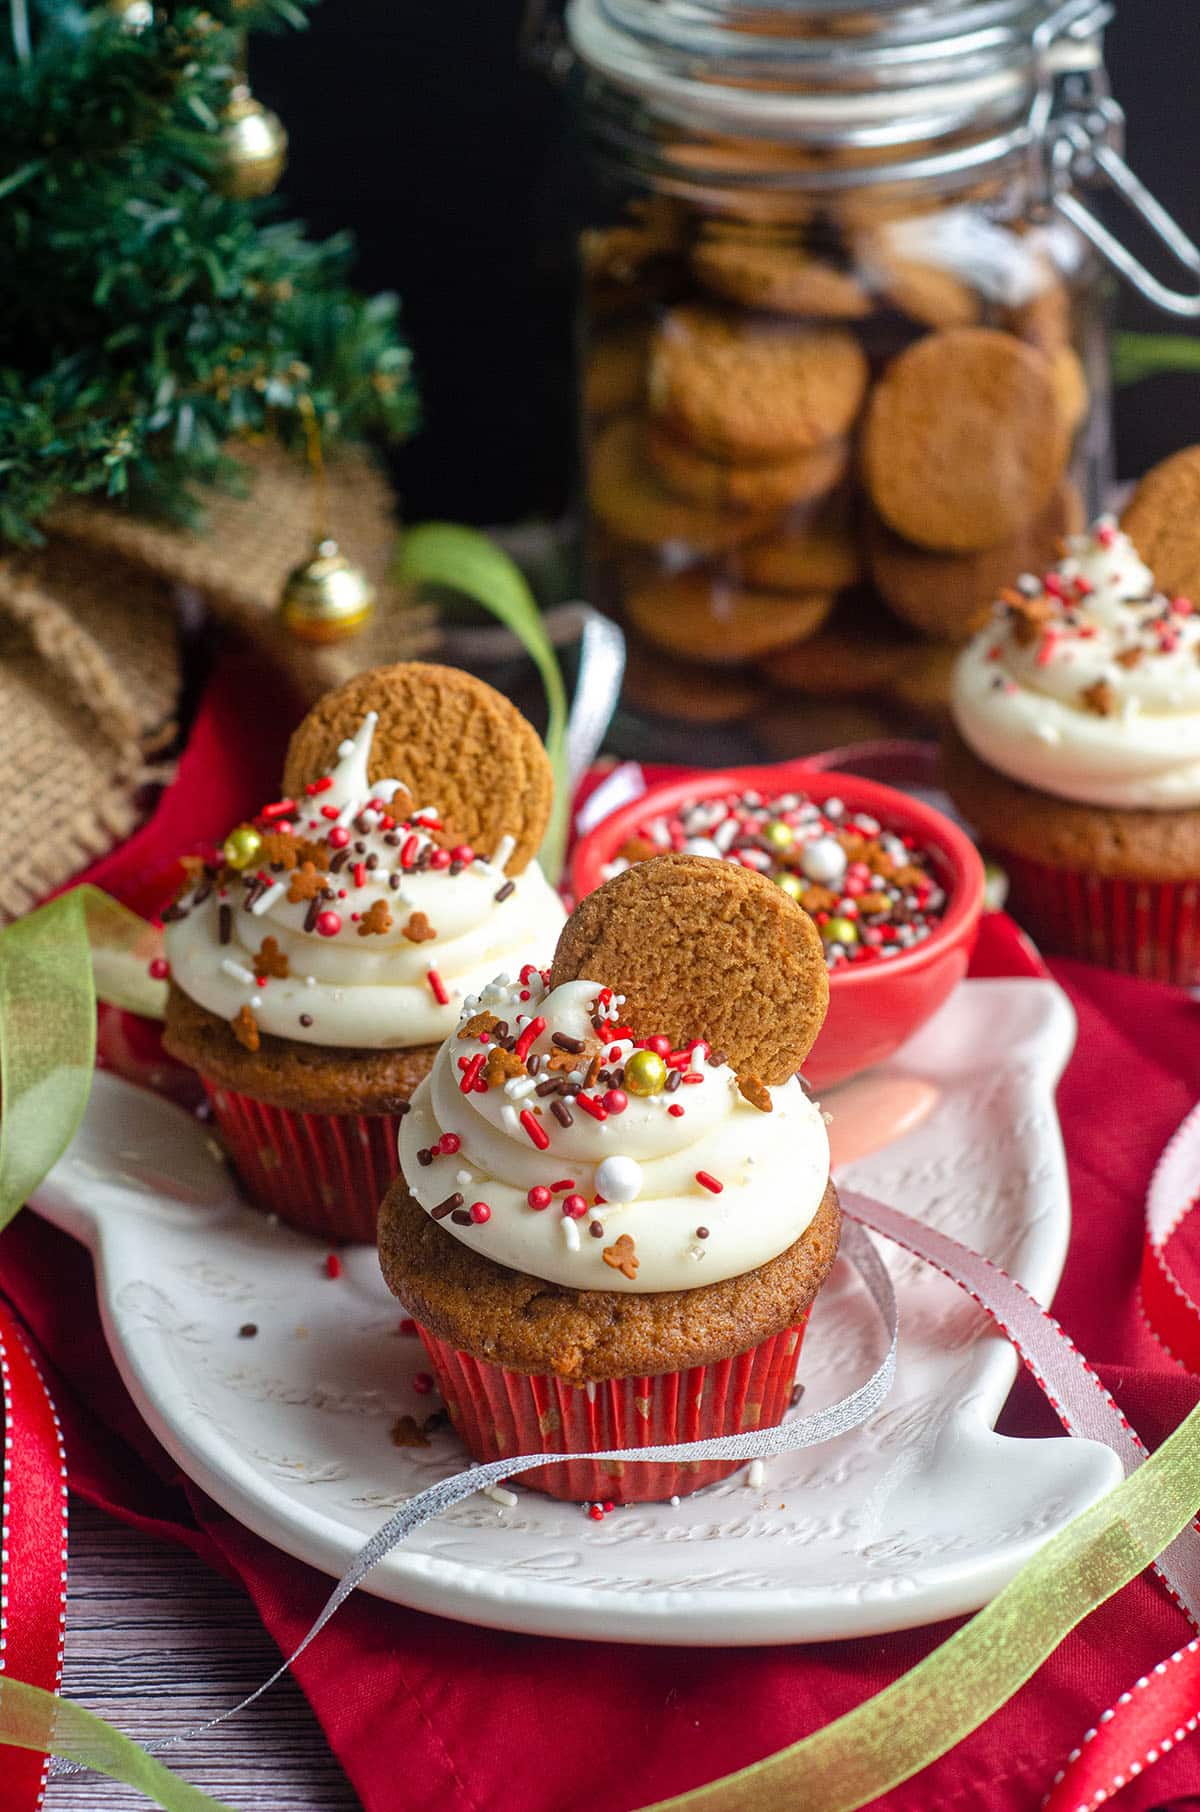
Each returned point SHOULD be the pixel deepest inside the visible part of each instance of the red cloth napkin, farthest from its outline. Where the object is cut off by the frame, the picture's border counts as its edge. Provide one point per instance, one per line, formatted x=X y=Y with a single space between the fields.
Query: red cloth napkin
x=480 y=1721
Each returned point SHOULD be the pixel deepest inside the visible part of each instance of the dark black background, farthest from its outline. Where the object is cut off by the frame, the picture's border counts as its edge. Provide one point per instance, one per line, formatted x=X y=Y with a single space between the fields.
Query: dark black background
x=414 y=123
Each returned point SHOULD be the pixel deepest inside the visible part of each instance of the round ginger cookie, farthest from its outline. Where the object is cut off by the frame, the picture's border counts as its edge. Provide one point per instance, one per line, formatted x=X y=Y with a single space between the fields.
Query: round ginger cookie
x=818 y=554
x=687 y=691
x=950 y=596
x=1162 y=520
x=926 y=293
x=702 y=948
x=748 y=388
x=861 y=650
x=633 y=503
x=702 y=617
x=765 y=485
x=455 y=743
x=964 y=441
x=783 y=279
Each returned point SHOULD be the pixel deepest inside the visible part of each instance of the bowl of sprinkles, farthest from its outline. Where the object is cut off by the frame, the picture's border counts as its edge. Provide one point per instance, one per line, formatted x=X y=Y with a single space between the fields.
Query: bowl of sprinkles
x=895 y=889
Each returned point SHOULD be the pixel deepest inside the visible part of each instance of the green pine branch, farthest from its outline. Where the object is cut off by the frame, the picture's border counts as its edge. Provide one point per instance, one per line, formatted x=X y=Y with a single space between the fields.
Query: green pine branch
x=146 y=320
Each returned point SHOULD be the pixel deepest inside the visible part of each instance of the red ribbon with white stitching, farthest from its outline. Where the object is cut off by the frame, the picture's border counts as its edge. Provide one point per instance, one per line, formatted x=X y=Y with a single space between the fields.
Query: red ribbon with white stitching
x=33 y=1549
x=1162 y=1707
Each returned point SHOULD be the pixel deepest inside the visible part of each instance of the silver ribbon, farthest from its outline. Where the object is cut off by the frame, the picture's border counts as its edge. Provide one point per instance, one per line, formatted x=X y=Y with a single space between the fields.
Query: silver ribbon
x=755 y=1444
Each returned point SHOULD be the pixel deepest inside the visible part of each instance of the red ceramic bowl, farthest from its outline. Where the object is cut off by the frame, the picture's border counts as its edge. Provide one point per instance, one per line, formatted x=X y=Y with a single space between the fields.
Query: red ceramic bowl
x=875 y=1008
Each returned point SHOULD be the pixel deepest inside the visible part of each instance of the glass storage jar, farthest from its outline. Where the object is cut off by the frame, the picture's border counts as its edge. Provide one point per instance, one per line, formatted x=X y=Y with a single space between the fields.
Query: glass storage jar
x=844 y=348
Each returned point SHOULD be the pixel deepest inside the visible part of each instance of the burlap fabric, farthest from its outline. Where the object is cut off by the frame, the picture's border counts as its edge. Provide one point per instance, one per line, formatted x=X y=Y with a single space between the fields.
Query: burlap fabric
x=89 y=660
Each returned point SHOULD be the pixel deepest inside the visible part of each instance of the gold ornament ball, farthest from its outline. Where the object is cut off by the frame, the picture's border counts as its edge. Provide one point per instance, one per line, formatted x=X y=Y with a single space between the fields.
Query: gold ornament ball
x=645 y=1073
x=327 y=597
x=792 y=885
x=778 y=834
x=841 y=931
x=241 y=846
x=252 y=148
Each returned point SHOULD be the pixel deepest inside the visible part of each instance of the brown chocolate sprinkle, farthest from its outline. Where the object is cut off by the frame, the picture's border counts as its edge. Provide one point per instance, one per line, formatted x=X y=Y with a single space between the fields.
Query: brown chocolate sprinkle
x=754 y=1090
x=245 y=1029
x=701 y=1232
x=1100 y=698
x=596 y=1229
x=456 y=868
x=172 y=914
x=562 y=1113
x=425 y=1156
x=248 y=1330
x=503 y=893
x=716 y=1059
x=339 y=861
x=306 y=1019
x=224 y=922
x=674 y=1080
x=566 y=1043
x=312 y=915
x=394 y=883
x=461 y=1217
x=451 y=1204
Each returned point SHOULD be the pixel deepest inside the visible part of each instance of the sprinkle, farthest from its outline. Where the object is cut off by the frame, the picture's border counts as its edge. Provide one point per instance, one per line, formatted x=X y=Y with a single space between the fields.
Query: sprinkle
x=707 y=1181
x=266 y=900
x=471 y=1072
x=563 y=1184
x=536 y=1131
x=439 y=988
x=755 y=1473
x=422 y=1383
x=562 y=1113
x=338 y=838
x=448 y=1144
x=591 y=1106
x=329 y=811
x=533 y=1030
x=500 y=1494
x=447 y=1207
x=159 y=969
x=504 y=850
x=306 y=1019
x=408 y=853
x=425 y=1157
x=480 y=1212
x=701 y=1232
x=575 y=1206
x=328 y=923
x=333 y=1265
x=237 y=970
x=675 y=1111
x=503 y=893
x=248 y=1330
x=616 y=1101
x=694 y=1076
x=360 y=874
x=570 y=1234
x=539 y=1197
x=566 y=1043
x=224 y=923
x=280 y=809
x=596 y=1229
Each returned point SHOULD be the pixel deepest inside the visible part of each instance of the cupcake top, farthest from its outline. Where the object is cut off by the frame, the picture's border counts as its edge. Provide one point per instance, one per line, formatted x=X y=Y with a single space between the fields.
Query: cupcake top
x=1086 y=685
x=349 y=916
x=550 y=1138
x=585 y=1127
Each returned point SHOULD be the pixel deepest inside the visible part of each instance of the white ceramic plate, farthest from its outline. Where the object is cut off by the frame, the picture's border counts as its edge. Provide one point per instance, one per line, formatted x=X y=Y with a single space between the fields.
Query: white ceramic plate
x=923 y=1513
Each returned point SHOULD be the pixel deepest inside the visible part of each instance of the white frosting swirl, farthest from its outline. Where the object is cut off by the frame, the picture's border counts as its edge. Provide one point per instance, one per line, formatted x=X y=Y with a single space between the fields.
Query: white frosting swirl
x=772 y=1168
x=373 y=991
x=1090 y=688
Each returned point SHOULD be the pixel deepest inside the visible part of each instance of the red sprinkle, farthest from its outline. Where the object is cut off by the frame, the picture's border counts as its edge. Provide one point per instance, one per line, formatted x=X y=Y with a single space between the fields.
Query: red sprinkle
x=329 y=923
x=694 y=1077
x=562 y=1183
x=574 y=1207
x=533 y=1030
x=319 y=786
x=439 y=988
x=471 y=1071
x=422 y=1383
x=675 y=1111
x=160 y=968
x=280 y=809
x=660 y=1046
x=333 y=1265
x=338 y=837
x=707 y=1181
x=480 y=1212
x=616 y=1100
x=591 y=1106
x=537 y=1132
x=462 y=852
x=440 y=858
x=449 y=1143
x=330 y=811
x=360 y=874
x=408 y=853
x=596 y=1513
x=539 y=1197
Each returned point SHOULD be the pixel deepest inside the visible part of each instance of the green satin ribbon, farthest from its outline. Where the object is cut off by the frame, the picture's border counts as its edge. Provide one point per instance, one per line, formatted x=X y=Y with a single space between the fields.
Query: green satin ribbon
x=47 y=1037
x=461 y=559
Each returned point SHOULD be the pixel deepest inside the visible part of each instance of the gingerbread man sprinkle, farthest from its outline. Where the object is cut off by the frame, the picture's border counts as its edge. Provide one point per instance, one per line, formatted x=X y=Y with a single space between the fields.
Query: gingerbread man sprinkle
x=622 y=1256
x=272 y=961
x=375 y=922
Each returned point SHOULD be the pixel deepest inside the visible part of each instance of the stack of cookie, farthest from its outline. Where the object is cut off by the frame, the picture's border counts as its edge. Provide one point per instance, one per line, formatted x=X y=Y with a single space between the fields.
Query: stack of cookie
x=816 y=451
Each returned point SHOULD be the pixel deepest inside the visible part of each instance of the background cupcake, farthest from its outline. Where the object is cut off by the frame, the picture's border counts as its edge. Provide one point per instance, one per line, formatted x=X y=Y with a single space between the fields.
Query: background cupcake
x=1077 y=757
x=316 y=968
x=615 y=1209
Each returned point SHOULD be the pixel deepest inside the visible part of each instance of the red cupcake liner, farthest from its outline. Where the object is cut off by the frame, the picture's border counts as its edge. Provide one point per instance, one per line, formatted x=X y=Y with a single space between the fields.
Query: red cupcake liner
x=500 y=1414
x=323 y=1173
x=1146 y=928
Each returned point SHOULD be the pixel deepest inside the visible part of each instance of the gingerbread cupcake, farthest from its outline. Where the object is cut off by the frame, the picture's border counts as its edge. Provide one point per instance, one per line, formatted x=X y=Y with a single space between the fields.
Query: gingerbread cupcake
x=1076 y=755
x=317 y=965
x=615 y=1209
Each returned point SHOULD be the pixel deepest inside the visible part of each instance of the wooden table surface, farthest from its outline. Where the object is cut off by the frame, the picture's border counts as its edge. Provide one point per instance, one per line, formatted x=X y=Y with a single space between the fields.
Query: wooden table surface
x=156 y=1643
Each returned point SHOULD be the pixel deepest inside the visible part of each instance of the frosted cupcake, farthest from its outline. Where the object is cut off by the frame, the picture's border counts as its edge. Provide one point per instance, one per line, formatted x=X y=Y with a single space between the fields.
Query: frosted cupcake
x=610 y=1227
x=316 y=968
x=1077 y=757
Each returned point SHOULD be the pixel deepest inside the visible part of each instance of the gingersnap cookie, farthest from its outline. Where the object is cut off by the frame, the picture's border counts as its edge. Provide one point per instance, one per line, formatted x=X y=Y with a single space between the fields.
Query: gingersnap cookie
x=1044 y=320
x=686 y=691
x=746 y=388
x=820 y=553
x=701 y=616
x=964 y=442
x=764 y=485
x=926 y=293
x=1070 y=388
x=614 y=373
x=860 y=650
x=633 y=503
x=455 y=743
x=950 y=596
x=783 y=279
x=1163 y=522
x=707 y=948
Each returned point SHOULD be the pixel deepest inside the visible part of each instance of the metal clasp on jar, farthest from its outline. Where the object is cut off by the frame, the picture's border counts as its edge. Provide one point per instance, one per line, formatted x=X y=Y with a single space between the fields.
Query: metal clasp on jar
x=1083 y=146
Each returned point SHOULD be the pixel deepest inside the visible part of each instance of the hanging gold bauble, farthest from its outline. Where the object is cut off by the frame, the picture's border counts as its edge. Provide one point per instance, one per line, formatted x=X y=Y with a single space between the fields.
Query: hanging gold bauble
x=252 y=146
x=327 y=597
x=135 y=15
